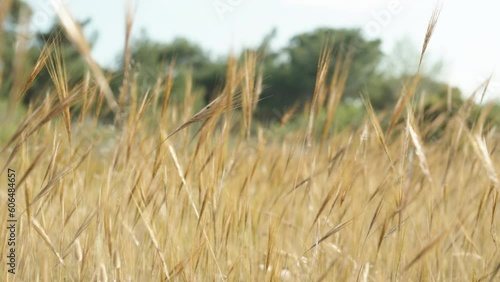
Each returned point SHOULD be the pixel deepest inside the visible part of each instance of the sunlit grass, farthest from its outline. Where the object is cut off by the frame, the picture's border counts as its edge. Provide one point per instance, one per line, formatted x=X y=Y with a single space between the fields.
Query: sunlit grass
x=231 y=199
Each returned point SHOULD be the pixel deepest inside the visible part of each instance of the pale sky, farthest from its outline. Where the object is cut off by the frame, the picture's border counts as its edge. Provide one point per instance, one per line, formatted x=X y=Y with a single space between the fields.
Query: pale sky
x=466 y=37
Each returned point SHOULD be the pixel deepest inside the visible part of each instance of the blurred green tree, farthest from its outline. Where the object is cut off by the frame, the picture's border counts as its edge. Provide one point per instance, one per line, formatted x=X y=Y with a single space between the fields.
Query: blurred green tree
x=10 y=69
x=151 y=59
x=75 y=64
x=291 y=72
x=12 y=13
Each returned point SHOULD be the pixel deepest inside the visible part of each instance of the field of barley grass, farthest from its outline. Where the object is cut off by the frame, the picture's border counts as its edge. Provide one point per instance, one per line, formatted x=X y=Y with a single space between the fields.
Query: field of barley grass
x=170 y=192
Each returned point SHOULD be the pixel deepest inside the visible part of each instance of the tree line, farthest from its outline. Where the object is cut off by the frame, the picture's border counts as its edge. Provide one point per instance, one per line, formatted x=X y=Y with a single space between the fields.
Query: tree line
x=288 y=73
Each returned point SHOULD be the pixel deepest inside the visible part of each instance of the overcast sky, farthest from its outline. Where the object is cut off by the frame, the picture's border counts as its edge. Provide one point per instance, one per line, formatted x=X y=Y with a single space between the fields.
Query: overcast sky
x=466 y=37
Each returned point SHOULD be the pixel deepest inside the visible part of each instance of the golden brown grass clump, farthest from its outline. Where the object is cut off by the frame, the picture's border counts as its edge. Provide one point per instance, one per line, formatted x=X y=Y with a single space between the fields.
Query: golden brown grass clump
x=139 y=203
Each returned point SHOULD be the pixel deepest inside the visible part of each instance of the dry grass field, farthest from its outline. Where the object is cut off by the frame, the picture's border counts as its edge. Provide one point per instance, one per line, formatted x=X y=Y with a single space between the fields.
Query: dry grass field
x=224 y=198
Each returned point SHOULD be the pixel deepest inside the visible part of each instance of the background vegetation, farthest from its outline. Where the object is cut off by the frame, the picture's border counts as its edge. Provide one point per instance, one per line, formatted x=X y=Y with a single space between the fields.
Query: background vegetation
x=309 y=163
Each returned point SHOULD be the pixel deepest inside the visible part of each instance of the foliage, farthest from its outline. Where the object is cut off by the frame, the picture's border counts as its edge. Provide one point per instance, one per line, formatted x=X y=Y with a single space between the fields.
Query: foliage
x=172 y=193
x=291 y=72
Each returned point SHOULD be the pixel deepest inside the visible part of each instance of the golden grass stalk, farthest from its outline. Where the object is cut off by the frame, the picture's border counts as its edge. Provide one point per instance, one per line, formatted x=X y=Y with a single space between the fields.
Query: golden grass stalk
x=336 y=90
x=129 y=21
x=40 y=63
x=195 y=209
x=75 y=240
x=406 y=95
x=259 y=85
x=430 y=30
x=270 y=245
x=323 y=66
x=378 y=131
x=152 y=236
x=249 y=93
x=45 y=237
x=481 y=150
x=426 y=249
x=331 y=232
x=31 y=167
x=103 y=274
x=75 y=34
x=178 y=268
x=78 y=251
x=460 y=120
x=34 y=122
x=212 y=110
x=289 y=114
x=168 y=89
x=58 y=74
x=424 y=166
